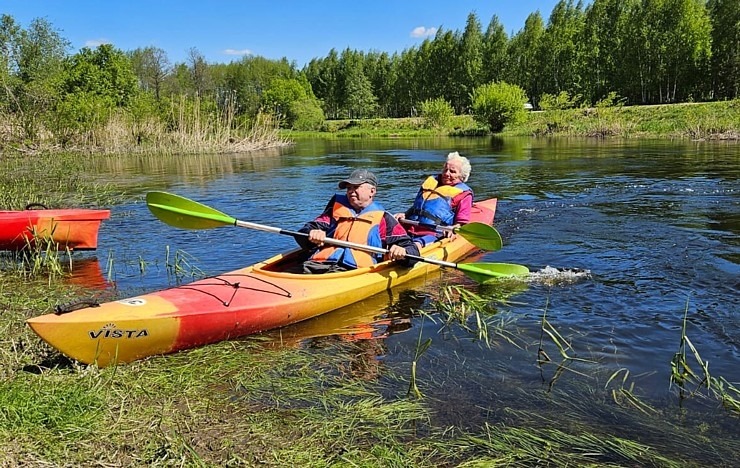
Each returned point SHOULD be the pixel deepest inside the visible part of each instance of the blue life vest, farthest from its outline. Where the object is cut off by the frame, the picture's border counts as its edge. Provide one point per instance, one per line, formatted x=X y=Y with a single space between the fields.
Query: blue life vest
x=433 y=203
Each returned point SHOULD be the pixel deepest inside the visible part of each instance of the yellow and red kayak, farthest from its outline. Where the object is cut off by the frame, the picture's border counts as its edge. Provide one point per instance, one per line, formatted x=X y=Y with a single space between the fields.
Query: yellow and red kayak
x=74 y=228
x=238 y=303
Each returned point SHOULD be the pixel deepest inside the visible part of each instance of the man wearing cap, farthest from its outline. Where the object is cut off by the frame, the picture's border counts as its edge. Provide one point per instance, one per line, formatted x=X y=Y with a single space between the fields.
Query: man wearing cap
x=355 y=217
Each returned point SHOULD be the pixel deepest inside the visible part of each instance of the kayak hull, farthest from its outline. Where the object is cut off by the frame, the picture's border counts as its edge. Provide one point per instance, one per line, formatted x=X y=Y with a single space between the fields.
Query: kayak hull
x=74 y=229
x=238 y=303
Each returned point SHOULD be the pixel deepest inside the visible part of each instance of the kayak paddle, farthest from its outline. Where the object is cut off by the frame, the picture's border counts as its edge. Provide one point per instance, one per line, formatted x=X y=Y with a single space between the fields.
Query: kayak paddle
x=480 y=235
x=184 y=213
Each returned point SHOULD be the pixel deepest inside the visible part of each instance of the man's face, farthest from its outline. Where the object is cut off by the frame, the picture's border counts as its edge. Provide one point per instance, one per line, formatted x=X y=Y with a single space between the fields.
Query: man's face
x=360 y=196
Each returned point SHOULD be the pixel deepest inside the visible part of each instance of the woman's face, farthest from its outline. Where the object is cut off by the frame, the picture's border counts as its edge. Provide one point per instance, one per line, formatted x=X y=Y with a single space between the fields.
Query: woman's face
x=452 y=173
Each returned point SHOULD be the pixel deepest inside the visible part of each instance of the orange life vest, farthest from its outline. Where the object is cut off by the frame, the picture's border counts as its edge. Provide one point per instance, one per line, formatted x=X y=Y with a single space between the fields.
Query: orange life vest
x=359 y=228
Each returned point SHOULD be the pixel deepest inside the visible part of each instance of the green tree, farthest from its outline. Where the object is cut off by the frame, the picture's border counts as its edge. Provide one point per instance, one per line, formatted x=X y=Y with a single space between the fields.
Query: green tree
x=78 y=115
x=559 y=50
x=497 y=104
x=600 y=41
x=323 y=75
x=151 y=67
x=560 y=101
x=382 y=78
x=405 y=92
x=306 y=114
x=360 y=101
x=105 y=72
x=95 y=82
x=725 y=18
x=494 y=55
x=470 y=66
x=293 y=102
x=32 y=65
x=524 y=66
x=199 y=72
x=688 y=43
x=667 y=42
x=247 y=80
x=440 y=76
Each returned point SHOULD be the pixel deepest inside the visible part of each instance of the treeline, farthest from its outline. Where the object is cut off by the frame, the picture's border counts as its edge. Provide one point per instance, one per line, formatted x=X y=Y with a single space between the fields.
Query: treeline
x=642 y=51
x=633 y=51
x=105 y=99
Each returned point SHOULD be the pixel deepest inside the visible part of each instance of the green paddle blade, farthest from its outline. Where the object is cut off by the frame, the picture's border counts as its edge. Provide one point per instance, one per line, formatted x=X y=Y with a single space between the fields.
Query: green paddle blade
x=481 y=235
x=183 y=213
x=482 y=272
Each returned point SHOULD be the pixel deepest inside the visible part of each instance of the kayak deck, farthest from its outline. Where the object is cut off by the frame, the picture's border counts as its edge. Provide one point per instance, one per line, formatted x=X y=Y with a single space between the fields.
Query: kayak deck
x=256 y=298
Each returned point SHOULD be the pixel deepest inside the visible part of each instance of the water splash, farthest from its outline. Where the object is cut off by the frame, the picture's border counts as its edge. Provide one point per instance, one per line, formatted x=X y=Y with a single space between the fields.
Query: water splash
x=553 y=276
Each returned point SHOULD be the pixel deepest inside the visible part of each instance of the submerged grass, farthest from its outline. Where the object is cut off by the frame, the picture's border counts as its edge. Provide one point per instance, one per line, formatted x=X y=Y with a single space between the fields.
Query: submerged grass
x=509 y=446
x=692 y=383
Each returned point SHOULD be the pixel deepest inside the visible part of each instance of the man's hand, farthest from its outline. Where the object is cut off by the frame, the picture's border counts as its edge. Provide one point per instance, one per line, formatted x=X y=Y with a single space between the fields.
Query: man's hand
x=396 y=252
x=317 y=236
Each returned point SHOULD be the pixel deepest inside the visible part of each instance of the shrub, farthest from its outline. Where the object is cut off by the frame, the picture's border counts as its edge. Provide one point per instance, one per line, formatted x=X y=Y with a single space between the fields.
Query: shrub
x=436 y=113
x=306 y=114
x=563 y=100
x=610 y=100
x=497 y=104
x=78 y=115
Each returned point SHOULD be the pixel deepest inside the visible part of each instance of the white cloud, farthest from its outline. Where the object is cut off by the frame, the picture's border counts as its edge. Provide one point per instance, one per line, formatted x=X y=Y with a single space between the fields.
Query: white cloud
x=421 y=31
x=93 y=43
x=237 y=52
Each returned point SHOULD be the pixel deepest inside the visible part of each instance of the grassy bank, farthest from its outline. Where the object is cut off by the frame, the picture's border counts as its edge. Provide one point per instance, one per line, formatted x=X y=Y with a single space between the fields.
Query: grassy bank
x=715 y=120
x=256 y=402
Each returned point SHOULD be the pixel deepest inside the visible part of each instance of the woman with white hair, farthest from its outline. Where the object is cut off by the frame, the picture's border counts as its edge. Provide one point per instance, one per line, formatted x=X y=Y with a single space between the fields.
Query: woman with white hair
x=443 y=200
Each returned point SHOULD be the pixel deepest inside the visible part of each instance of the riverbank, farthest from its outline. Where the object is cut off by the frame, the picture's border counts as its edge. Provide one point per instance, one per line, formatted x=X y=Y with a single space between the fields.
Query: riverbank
x=692 y=121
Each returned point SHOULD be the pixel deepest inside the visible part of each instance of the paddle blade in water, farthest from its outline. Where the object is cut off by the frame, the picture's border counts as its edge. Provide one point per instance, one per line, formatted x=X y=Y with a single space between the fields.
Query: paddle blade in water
x=183 y=213
x=481 y=235
x=482 y=272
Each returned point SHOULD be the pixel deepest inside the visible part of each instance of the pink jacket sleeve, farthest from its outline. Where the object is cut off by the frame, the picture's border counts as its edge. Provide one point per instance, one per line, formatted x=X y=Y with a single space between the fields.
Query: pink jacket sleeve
x=462 y=205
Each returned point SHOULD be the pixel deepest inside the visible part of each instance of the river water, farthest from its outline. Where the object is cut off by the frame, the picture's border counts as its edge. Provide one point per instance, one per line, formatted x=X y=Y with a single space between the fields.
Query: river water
x=623 y=238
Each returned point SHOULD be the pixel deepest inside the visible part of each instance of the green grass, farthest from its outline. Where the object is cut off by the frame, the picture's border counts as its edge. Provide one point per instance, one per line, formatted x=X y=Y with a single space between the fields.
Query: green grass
x=715 y=120
x=54 y=180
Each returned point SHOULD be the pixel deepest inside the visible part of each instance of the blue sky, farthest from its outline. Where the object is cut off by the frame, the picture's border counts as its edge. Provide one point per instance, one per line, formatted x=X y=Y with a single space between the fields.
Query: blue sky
x=224 y=31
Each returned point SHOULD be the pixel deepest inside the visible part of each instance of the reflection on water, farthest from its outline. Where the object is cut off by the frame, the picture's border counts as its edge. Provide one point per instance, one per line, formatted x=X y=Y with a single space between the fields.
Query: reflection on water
x=376 y=317
x=86 y=272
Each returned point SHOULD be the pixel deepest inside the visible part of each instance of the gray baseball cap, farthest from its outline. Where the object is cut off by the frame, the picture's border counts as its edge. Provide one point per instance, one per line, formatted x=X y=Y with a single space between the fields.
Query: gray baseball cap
x=358 y=177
